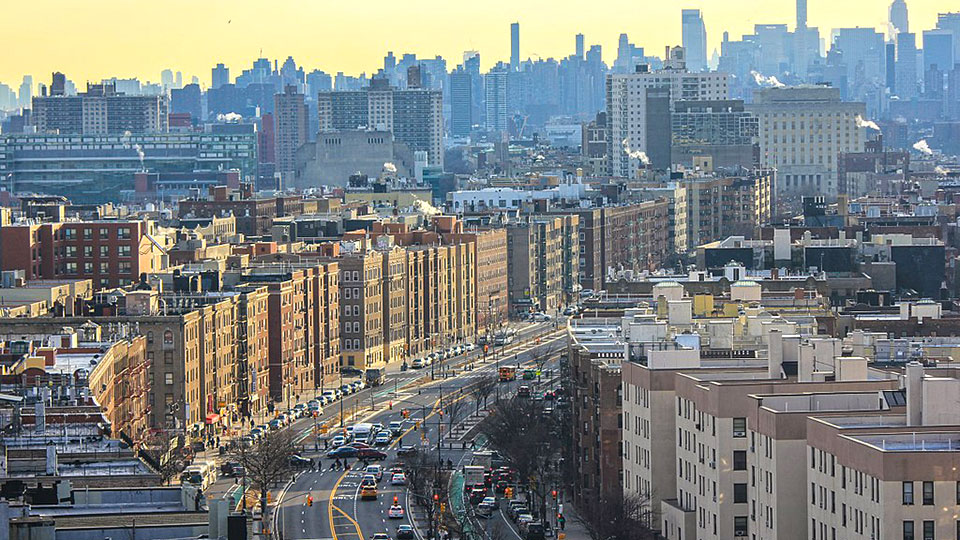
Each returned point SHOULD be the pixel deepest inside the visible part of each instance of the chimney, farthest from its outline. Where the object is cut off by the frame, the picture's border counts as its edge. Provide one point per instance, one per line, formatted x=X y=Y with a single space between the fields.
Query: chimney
x=914 y=394
x=774 y=354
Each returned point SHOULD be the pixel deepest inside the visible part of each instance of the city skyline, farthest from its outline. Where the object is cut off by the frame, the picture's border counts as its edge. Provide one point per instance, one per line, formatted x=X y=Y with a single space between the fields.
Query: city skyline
x=211 y=35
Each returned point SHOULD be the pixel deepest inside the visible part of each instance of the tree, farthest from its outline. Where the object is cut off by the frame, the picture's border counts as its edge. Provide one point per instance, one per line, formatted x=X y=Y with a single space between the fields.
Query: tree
x=452 y=411
x=628 y=518
x=162 y=453
x=266 y=463
x=482 y=389
x=424 y=480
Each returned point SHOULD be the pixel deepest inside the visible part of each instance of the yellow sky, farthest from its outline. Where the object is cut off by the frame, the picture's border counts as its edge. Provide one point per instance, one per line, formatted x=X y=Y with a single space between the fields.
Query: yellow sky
x=96 y=38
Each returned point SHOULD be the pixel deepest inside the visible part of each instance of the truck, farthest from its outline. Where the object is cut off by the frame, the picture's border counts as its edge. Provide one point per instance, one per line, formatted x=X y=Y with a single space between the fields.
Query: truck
x=473 y=474
x=508 y=373
x=375 y=376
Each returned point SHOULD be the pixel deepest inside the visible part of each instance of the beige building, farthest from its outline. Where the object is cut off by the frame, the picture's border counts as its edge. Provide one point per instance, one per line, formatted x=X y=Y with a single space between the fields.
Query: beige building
x=361 y=309
x=543 y=262
x=395 y=309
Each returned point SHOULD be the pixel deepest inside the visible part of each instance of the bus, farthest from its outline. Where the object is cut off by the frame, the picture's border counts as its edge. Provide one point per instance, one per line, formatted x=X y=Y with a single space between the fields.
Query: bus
x=363 y=432
x=375 y=377
x=508 y=373
x=200 y=474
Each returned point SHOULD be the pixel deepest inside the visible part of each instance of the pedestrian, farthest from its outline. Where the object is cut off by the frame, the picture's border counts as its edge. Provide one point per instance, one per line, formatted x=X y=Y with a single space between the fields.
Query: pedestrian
x=337 y=464
x=562 y=521
x=319 y=465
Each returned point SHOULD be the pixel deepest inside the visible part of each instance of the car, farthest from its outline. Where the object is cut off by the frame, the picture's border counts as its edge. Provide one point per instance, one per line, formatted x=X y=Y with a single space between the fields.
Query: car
x=398 y=479
x=275 y=424
x=330 y=395
x=417 y=363
x=368 y=493
x=469 y=346
x=395 y=512
x=396 y=427
x=492 y=501
x=406 y=450
x=227 y=468
x=383 y=439
x=523 y=391
x=350 y=371
x=523 y=520
x=358 y=445
x=405 y=532
x=300 y=462
x=377 y=427
x=376 y=471
x=368 y=480
x=338 y=440
x=380 y=536
x=342 y=452
x=346 y=389
x=371 y=454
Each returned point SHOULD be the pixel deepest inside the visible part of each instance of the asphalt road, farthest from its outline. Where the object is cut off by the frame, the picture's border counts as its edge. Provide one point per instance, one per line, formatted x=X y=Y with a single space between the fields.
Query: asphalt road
x=337 y=511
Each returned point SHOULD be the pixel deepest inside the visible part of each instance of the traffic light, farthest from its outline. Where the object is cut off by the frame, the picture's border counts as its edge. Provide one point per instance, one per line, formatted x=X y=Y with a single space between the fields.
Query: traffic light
x=554 y=494
x=443 y=507
x=309 y=500
x=436 y=497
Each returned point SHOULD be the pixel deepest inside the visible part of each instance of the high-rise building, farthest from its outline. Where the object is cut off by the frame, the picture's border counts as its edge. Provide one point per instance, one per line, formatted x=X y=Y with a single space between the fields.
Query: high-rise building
x=802 y=130
x=801 y=14
x=58 y=86
x=579 y=50
x=187 y=100
x=694 y=39
x=638 y=111
x=25 y=94
x=220 y=75
x=938 y=48
x=495 y=99
x=951 y=21
x=899 y=20
x=101 y=110
x=414 y=115
x=461 y=102
x=292 y=124
x=906 y=70
x=515 y=46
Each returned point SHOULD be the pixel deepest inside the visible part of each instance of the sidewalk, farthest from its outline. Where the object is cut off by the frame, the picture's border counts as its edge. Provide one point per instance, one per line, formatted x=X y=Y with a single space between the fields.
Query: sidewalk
x=573 y=529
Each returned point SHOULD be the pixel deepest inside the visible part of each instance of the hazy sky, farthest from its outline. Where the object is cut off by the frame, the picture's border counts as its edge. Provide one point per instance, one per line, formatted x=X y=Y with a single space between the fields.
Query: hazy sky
x=92 y=39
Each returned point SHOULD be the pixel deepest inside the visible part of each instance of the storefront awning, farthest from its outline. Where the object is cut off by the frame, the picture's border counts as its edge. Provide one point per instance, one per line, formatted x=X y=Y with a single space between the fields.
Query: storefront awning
x=213 y=418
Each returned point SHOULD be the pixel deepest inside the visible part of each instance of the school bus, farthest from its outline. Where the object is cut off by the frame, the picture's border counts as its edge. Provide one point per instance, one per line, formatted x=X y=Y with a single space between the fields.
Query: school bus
x=508 y=374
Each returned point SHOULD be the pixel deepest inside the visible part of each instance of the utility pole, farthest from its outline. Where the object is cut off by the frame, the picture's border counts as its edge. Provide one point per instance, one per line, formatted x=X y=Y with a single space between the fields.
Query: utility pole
x=440 y=432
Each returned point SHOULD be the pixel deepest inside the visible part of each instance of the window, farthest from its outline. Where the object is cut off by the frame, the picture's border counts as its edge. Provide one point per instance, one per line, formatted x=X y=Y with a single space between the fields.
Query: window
x=908 y=530
x=104 y=234
x=739 y=427
x=70 y=233
x=71 y=251
x=928 y=530
x=168 y=337
x=123 y=233
x=150 y=337
x=104 y=251
x=740 y=526
x=168 y=378
x=167 y=357
x=739 y=493
x=908 y=493
x=928 y=493
x=87 y=250
x=123 y=251
x=88 y=234
x=739 y=460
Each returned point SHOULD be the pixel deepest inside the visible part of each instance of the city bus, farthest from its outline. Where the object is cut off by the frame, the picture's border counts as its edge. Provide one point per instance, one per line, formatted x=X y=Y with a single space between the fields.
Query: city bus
x=508 y=373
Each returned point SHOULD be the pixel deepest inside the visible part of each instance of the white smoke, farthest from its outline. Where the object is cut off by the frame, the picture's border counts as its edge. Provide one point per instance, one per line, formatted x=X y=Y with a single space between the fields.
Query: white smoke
x=940 y=170
x=766 y=82
x=229 y=118
x=638 y=155
x=867 y=124
x=922 y=147
x=140 y=154
x=426 y=208
x=389 y=168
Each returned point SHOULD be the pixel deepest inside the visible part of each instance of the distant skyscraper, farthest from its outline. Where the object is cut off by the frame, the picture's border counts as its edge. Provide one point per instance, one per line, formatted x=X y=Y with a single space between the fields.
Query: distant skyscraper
x=220 y=75
x=906 y=71
x=166 y=79
x=495 y=102
x=461 y=102
x=25 y=95
x=694 y=39
x=801 y=14
x=951 y=21
x=580 y=48
x=899 y=19
x=515 y=46
x=292 y=124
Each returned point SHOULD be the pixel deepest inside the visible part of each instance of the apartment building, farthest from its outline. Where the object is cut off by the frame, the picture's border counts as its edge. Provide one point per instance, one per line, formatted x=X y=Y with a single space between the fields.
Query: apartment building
x=489 y=248
x=361 y=309
x=254 y=214
x=395 y=309
x=110 y=253
x=543 y=261
x=292 y=127
x=716 y=207
x=101 y=110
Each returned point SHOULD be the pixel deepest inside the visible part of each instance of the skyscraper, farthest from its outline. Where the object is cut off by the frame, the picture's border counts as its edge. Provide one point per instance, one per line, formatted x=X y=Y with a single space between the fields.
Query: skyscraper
x=292 y=127
x=461 y=102
x=58 y=86
x=219 y=75
x=580 y=48
x=899 y=20
x=801 y=14
x=515 y=46
x=694 y=39
x=25 y=94
x=906 y=70
x=495 y=102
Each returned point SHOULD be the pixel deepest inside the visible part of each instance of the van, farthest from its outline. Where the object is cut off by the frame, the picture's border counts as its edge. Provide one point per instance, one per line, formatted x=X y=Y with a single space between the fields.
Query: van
x=363 y=432
x=200 y=474
x=473 y=474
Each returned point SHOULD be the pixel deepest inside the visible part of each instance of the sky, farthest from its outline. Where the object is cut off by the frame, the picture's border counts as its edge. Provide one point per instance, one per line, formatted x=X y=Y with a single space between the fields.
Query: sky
x=93 y=39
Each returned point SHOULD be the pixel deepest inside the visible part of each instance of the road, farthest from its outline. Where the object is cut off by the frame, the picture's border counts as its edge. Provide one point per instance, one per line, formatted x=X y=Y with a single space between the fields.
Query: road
x=337 y=511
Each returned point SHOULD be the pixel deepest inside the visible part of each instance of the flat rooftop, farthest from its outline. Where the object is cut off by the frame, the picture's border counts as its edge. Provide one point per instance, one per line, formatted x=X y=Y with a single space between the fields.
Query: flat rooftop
x=944 y=441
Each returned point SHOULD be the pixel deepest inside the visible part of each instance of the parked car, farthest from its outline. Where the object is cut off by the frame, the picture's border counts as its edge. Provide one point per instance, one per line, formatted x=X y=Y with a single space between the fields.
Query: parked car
x=417 y=363
x=350 y=371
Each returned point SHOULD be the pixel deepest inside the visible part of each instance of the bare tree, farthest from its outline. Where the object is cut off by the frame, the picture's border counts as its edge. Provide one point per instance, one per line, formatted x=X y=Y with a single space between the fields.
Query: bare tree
x=452 y=411
x=482 y=389
x=266 y=463
x=424 y=481
x=628 y=518
x=162 y=453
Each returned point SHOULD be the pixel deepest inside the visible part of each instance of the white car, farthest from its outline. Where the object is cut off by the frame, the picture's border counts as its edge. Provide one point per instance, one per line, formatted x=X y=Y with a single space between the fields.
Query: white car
x=383 y=439
x=398 y=479
x=417 y=363
x=395 y=512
